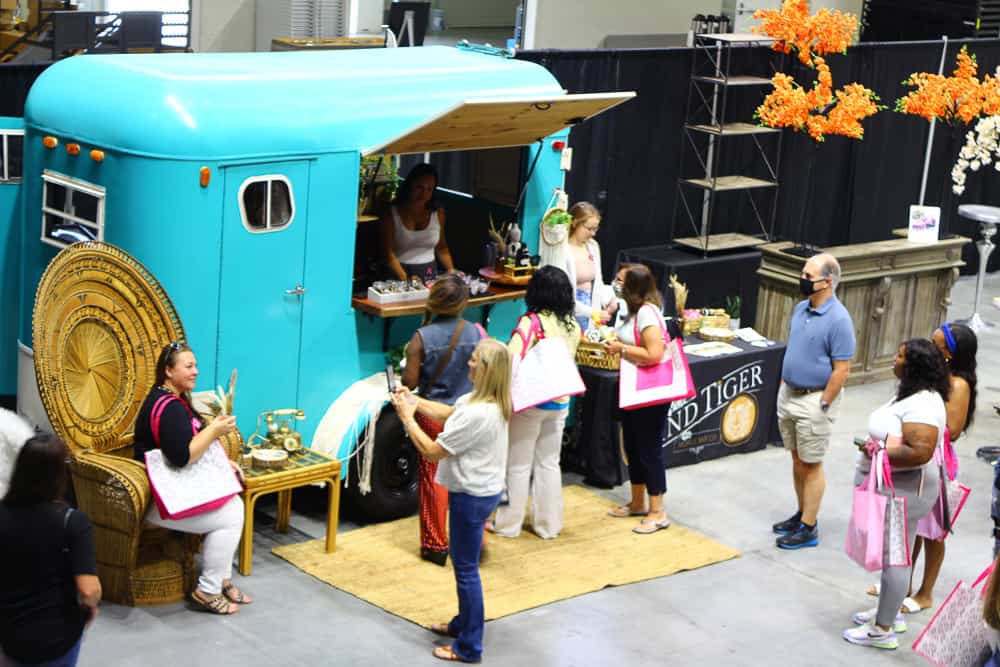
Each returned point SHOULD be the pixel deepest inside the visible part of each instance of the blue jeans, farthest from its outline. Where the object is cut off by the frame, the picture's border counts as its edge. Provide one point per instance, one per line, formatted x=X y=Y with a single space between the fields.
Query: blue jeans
x=466 y=516
x=68 y=659
x=584 y=296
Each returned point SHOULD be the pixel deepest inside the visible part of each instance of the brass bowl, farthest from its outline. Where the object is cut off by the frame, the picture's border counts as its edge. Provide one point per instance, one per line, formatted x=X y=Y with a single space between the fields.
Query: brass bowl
x=269 y=458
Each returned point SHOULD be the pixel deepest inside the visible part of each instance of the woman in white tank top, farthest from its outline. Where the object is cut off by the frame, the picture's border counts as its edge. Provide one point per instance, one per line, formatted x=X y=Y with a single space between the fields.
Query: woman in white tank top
x=412 y=232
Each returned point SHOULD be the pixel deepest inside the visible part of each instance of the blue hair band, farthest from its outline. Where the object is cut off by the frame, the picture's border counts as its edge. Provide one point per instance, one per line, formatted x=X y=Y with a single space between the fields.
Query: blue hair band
x=949 y=339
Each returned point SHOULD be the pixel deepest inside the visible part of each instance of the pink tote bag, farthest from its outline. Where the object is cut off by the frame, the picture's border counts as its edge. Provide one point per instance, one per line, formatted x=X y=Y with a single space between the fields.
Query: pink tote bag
x=866 y=529
x=956 y=635
x=952 y=496
x=197 y=488
x=663 y=382
x=544 y=371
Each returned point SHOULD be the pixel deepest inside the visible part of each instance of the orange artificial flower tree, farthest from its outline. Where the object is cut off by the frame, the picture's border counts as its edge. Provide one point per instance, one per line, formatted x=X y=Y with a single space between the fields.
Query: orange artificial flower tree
x=820 y=110
x=958 y=100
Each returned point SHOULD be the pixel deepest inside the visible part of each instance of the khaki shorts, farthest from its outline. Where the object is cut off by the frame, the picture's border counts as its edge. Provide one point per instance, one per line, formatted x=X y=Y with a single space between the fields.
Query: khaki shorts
x=804 y=427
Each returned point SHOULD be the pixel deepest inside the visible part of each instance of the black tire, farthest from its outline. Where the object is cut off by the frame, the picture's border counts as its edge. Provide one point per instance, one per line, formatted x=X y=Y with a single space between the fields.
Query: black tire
x=394 y=474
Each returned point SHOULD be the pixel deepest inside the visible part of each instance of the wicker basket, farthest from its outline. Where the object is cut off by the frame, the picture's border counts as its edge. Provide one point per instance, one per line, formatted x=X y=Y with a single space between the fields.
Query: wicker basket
x=593 y=355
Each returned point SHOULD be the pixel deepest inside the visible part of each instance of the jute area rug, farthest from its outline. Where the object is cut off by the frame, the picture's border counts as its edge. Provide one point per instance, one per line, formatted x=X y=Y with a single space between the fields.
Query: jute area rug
x=381 y=565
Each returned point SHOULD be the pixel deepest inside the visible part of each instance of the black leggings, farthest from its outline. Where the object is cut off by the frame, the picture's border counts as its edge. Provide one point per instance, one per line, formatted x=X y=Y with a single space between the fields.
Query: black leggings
x=642 y=432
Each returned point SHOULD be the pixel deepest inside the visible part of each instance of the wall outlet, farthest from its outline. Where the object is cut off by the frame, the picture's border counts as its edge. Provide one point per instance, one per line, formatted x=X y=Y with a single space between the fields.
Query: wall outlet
x=566 y=159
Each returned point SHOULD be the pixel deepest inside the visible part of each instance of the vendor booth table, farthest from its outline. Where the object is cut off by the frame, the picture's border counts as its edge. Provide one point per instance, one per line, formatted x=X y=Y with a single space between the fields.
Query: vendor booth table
x=710 y=279
x=733 y=412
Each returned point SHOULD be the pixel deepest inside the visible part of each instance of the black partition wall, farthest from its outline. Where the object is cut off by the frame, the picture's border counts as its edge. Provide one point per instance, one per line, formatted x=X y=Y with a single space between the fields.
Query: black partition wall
x=626 y=161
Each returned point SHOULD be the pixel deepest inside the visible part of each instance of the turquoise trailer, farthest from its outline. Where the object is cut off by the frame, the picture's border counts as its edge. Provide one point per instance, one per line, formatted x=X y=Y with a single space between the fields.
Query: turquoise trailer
x=234 y=179
x=11 y=154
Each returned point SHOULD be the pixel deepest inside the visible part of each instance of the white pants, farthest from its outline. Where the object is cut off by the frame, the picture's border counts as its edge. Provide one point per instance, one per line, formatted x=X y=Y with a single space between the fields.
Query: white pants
x=533 y=460
x=222 y=529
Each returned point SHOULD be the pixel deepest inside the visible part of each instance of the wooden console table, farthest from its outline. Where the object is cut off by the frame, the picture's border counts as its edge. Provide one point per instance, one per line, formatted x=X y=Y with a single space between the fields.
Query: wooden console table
x=894 y=290
x=308 y=467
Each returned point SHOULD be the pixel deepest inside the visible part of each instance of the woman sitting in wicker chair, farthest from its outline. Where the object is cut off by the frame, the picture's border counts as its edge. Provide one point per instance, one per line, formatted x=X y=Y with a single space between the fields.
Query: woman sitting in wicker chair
x=183 y=438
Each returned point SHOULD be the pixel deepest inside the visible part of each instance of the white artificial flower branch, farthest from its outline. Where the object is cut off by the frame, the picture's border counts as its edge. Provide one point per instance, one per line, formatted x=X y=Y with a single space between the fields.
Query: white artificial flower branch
x=982 y=147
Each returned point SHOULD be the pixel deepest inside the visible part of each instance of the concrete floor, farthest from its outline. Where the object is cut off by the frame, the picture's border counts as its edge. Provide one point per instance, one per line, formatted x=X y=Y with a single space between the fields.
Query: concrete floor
x=767 y=607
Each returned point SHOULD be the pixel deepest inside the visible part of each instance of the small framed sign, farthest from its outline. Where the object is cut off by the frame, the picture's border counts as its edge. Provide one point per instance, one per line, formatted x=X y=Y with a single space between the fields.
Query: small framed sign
x=925 y=223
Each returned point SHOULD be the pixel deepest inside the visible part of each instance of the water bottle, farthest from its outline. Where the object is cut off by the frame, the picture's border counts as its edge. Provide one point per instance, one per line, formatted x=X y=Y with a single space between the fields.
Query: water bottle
x=518 y=25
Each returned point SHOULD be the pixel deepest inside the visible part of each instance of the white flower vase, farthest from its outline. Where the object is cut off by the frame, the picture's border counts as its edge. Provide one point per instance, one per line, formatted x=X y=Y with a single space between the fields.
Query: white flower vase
x=734 y=323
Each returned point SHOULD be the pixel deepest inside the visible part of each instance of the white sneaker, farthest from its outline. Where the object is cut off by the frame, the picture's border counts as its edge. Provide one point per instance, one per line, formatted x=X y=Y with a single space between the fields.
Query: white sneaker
x=862 y=617
x=872 y=635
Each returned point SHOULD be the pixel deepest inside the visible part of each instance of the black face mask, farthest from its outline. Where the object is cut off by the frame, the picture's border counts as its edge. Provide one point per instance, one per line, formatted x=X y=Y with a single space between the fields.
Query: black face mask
x=806 y=286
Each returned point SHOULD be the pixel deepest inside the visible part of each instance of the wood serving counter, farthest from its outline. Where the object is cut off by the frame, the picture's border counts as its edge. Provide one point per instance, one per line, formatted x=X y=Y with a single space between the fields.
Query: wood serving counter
x=894 y=290
x=388 y=312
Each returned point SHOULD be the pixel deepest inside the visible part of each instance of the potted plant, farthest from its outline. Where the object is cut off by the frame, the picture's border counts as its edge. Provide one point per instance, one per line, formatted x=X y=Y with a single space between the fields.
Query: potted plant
x=733 y=306
x=378 y=181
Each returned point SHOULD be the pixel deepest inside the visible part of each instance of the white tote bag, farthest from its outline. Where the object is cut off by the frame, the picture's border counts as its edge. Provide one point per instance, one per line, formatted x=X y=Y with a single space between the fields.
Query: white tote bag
x=544 y=371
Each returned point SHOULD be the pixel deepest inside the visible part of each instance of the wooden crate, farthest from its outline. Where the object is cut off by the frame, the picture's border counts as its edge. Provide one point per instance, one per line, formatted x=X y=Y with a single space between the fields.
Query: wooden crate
x=515 y=271
x=593 y=355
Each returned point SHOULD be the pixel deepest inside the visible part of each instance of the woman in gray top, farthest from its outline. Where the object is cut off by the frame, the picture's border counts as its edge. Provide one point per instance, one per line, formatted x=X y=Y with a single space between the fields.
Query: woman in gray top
x=437 y=358
x=472 y=450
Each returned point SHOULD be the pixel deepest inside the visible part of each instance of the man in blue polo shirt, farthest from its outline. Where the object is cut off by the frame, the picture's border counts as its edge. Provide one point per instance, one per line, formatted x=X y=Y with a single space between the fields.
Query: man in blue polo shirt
x=817 y=361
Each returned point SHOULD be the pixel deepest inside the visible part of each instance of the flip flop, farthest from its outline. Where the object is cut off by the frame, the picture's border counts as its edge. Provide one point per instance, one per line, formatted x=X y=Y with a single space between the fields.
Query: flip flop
x=624 y=512
x=911 y=606
x=875 y=590
x=448 y=653
x=649 y=527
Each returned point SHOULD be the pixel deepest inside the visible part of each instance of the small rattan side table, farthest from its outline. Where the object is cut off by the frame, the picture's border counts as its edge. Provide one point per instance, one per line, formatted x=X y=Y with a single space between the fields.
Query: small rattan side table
x=308 y=467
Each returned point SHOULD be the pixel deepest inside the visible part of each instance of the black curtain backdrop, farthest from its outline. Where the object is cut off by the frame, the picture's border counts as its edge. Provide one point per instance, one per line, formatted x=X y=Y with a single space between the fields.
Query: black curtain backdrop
x=627 y=160
x=15 y=81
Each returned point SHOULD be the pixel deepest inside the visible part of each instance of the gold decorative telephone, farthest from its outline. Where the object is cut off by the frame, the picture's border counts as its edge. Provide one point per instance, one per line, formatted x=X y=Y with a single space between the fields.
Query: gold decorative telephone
x=279 y=433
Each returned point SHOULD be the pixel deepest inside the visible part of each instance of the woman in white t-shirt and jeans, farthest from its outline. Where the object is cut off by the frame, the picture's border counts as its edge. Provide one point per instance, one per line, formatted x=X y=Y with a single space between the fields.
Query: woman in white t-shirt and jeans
x=472 y=450
x=909 y=427
x=642 y=429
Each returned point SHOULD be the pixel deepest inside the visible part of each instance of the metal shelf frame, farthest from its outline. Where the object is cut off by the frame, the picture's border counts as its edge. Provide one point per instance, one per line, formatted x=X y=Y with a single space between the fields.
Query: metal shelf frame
x=708 y=128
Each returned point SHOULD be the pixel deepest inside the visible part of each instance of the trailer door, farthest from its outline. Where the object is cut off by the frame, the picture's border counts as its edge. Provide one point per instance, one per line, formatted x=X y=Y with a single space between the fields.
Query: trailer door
x=261 y=290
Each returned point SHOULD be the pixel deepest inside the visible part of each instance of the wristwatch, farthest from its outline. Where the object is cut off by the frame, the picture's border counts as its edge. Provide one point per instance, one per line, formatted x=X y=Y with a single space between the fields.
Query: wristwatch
x=824 y=406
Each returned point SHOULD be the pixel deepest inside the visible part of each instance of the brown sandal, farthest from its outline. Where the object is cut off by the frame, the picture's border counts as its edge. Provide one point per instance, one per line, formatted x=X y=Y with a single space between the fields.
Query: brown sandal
x=440 y=629
x=215 y=604
x=234 y=594
x=448 y=653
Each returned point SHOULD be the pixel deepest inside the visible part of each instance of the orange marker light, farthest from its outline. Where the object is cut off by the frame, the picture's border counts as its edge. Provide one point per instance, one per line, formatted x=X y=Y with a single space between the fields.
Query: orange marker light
x=73 y=149
x=96 y=155
x=206 y=176
x=50 y=142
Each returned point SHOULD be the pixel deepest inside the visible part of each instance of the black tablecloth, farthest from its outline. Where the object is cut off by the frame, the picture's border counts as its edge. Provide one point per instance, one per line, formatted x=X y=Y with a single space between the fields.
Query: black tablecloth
x=740 y=389
x=709 y=279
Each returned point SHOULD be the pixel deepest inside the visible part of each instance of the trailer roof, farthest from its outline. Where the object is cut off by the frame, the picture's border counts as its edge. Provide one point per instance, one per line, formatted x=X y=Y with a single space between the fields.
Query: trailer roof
x=245 y=105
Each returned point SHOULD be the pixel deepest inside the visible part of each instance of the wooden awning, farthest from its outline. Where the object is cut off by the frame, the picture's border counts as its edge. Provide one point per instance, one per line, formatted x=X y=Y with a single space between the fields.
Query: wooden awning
x=499 y=123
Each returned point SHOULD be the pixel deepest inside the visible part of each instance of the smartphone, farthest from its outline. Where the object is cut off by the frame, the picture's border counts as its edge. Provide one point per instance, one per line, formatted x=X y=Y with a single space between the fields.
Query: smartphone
x=390 y=378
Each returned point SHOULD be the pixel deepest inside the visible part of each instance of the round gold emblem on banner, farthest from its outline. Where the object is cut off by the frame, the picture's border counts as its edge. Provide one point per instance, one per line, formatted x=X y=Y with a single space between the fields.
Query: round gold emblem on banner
x=739 y=419
x=99 y=322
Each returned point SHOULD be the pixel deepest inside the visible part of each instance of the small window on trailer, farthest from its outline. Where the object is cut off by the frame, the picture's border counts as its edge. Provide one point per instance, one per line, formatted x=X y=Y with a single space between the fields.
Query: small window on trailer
x=11 y=148
x=72 y=210
x=267 y=203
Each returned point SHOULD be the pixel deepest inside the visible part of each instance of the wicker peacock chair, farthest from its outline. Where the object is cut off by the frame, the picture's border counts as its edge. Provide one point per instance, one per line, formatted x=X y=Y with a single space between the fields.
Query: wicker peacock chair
x=100 y=320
